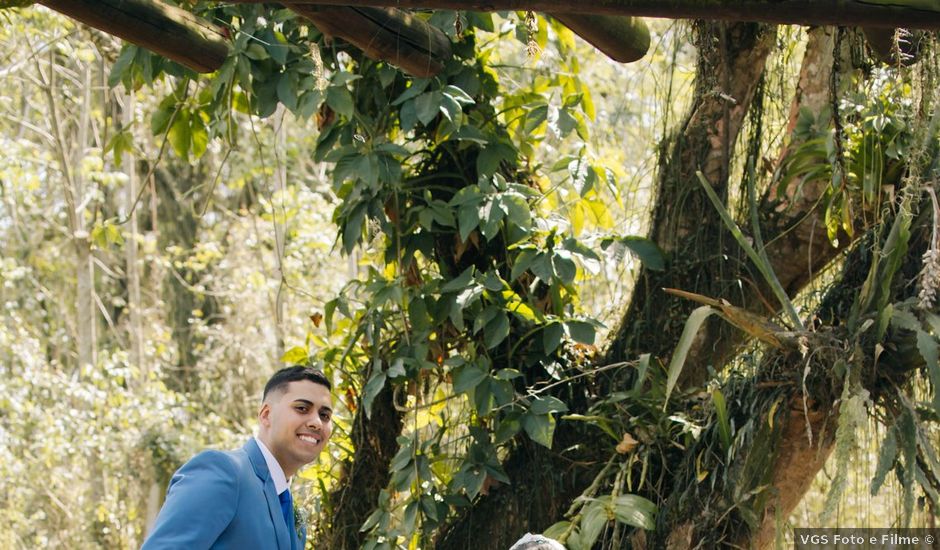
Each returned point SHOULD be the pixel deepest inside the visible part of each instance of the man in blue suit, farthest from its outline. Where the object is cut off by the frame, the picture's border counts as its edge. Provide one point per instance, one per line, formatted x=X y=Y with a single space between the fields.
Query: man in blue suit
x=241 y=499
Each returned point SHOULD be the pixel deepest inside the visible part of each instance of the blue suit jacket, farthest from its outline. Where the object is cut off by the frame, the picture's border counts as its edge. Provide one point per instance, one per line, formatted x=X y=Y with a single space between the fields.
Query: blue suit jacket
x=222 y=500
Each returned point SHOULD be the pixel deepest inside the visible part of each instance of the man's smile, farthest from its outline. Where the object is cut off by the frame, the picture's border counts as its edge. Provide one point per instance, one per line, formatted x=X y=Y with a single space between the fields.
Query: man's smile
x=308 y=438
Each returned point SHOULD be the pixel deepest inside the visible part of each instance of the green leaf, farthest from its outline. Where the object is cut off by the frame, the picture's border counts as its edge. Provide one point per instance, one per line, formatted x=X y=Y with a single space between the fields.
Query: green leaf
x=535 y=118
x=692 y=324
x=408 y=116
x=546 y=405
x=644 y=249
x=540 y=428
x=461 y=282
x=468 y=377
x=427 y=105
x=522 y=263
x=405 y=454
x=160 y=120
x=297 y=355
x=340 y=100
x=551 y=337
x=542 y=267
x=886 y=458
x=468 y=218
x=287 y=90
x=593 y=520
x=199 y=135
x=636 y=511
x=418 y=85
x=122 y=142
x=580 y=331
x=276 y=46
x=459 y=95
x=564 y=267
x=496 y=330
x=397 y=369
x=491 y=156
x=371 y=391
x=508 y=428
x=724 y=424
x=180 y=135
x=557 y=530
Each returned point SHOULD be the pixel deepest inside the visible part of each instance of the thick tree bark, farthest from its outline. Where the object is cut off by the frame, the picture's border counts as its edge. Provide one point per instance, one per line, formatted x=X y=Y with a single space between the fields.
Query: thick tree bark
x=365 y=476
x=702 y=256
x=178 y=222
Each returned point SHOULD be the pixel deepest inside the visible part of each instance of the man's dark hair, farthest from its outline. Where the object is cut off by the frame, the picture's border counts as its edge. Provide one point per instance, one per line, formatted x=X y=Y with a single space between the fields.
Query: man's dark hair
x=285 y=376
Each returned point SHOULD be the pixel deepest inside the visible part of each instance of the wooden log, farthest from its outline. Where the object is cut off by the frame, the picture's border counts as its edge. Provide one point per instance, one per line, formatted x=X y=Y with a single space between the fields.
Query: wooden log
x=911 y=14
x=386 y=34
x=623 y=39
x=167 y=30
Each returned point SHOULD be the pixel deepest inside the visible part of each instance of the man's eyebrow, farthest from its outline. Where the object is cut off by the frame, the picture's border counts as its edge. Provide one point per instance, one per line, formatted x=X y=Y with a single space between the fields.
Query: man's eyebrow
x=311 y=404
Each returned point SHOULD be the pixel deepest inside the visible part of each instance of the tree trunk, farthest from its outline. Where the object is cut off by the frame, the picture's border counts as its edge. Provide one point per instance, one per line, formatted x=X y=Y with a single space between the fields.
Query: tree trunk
x=366 y=475
x=132 y=267
x=701 y=255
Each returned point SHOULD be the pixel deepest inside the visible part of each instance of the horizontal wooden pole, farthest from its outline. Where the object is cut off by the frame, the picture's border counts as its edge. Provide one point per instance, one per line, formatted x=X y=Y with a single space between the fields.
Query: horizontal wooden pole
x=912 y=14
x=623 y=39
x=385 y=34
x=164 y=29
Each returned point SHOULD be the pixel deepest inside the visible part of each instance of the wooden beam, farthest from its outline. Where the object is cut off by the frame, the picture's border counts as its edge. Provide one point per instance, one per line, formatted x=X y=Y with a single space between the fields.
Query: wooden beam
x=167 y=30
x=386 y=34
x=623 y=39
x=912 y=14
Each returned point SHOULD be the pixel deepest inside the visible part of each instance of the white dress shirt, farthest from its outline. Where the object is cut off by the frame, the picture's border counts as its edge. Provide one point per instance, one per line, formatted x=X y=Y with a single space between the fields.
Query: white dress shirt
x=281 y=482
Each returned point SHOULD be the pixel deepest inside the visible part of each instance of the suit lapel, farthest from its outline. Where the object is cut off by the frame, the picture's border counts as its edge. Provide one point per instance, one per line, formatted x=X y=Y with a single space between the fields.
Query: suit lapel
x=270 y=494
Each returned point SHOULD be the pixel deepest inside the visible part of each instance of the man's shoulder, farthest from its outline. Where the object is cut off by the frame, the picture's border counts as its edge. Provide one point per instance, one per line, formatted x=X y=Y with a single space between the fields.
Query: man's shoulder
x=231 y=461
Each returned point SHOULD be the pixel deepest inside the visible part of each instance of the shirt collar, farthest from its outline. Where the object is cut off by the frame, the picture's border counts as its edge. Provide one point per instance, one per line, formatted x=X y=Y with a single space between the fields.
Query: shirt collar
x=281 y=482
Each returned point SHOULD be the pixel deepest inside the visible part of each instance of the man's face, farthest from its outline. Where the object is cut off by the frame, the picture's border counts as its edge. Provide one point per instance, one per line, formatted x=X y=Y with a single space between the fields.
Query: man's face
x=296 y=423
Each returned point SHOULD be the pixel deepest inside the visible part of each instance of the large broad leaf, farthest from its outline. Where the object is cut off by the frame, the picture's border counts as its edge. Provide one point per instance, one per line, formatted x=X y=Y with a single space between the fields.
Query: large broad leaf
x=636 y=511
x=545 y=405
x=593 y=520
x=372 y=389
x=496 y=330
x=581 y=331
x=461 y=282
x=427 y=105
x=886 y=460
x=468 y=377
x=551 y=337
x=644 y=249
x=540 y=428
x=692 y=324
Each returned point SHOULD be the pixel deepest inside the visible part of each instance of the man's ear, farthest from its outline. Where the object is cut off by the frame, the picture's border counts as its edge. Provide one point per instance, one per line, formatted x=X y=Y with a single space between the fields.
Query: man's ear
x=264 y=414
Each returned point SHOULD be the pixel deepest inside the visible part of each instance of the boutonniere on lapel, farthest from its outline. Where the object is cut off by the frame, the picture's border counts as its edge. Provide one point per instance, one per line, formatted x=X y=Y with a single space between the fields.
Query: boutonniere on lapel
x=300 y=518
